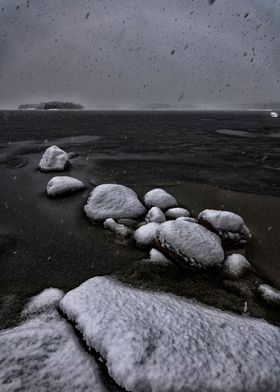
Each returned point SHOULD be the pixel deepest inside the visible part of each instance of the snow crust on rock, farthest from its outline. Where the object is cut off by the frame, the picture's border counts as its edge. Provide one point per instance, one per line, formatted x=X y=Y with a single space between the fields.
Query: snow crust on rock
x=159 y=198
x=113 y=201
x=117 y=228
x=269 y=294
x=63 y=184
x=146 y=234
x=54 y=159
x=155 y=215
x=235 y=266
x=158 y=257
x=43 y=353
x=159 y=342
x=177 y=212
x=191 y=242
x=228 y=224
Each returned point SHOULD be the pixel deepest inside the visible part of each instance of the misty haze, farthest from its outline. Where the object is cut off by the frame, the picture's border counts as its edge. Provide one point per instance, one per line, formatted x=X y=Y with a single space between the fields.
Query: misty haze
x=140 y=196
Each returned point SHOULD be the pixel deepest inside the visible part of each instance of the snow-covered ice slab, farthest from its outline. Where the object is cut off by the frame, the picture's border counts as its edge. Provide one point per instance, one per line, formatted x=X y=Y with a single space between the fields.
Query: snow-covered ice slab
x=228 y=225
x=61 y=185
x=113 y=201
x=54 y=159
x=158 y=342
x=159 y=198
x=189 y=244
x=43 y=353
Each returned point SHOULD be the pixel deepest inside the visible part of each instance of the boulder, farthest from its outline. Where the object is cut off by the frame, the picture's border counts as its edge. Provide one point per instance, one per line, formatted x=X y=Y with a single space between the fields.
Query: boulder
x=54 y=159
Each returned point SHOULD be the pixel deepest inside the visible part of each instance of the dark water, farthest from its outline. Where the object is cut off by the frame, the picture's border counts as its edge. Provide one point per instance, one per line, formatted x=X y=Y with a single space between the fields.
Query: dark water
x=233 y=150
x=200 y=157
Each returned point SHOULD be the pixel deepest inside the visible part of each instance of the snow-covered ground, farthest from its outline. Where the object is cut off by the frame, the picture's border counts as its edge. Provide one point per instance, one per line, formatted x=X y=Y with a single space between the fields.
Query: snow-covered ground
x=43 y=353
x=159 y=342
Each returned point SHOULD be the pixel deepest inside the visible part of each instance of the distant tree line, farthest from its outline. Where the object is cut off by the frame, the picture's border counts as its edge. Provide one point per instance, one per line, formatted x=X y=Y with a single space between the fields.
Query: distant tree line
x=50 y=105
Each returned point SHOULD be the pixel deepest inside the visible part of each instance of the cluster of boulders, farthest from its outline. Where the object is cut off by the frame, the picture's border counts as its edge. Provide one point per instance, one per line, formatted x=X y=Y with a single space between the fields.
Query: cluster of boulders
x=158 y=224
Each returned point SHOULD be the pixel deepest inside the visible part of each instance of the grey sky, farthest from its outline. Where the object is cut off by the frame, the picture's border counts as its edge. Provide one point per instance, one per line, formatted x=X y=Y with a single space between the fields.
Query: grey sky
x=119 y=53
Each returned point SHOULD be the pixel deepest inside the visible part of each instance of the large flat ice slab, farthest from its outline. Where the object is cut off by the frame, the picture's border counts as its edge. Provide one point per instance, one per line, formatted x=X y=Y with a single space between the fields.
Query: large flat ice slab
x=153 y=341
x=43 y=353
x=113 y=201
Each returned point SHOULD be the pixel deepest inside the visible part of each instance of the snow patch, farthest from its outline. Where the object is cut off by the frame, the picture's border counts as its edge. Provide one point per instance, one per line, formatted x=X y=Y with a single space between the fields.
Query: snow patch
x=159 y=342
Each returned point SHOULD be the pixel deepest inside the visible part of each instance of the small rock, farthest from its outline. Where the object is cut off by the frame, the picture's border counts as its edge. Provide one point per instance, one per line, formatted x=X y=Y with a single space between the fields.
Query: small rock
x=159 y=198
x=61 y=185
x=145 y=235
x=158 y=257
x=229 y=226
x=177 y=212
x=235 y=266
x=187 y=219
x=120 y=230
x=155 y=215
x=269 y=294
x=113 y=201
x=54 y=159
x=189 y=244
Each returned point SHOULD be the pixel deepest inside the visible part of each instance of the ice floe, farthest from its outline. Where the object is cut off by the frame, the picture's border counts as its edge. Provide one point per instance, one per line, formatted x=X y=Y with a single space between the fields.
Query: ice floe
x=155 y=215
x=146 y=234
x=63 y=184
x=113 y=201
x=43 y=353
x=269 y=294
x=159 y=198
x=228 y=225
x=54 y=159
x=189 y=243
x=235 y=266
x=159 y=342
x=177 y=212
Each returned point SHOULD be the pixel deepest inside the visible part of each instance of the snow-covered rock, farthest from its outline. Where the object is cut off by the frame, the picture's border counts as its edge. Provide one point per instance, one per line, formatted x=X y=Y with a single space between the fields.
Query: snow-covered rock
x=235 y=266
x=63 y=184
x=274 y=114
x=146 y=234
x=177 y=212
x=54 y=159
x=120 y=230
x=187 y=219
x=132 y=223
x=158 y=257
x=155 y=341
x=159 y=198
x=229 y=226
x=155 y=215
x=43 y=353
x=189 y=244
x=269 y=294
x=113 y=201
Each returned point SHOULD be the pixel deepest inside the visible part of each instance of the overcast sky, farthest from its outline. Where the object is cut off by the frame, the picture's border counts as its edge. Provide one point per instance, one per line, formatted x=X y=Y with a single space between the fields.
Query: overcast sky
x=130 y=53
